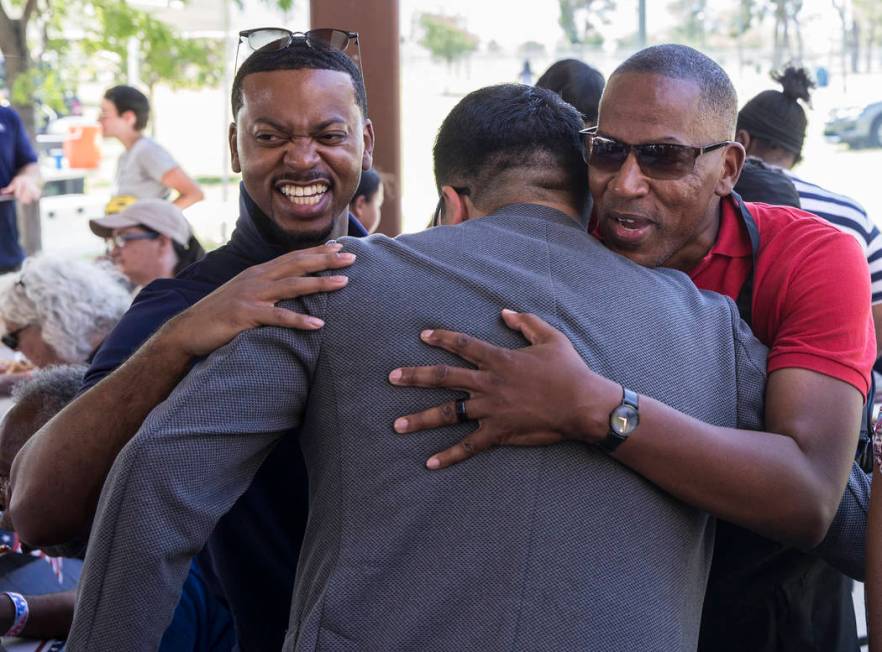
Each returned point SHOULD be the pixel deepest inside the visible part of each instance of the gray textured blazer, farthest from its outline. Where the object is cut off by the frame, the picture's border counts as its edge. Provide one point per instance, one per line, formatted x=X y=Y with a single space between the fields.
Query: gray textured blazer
x=555 y=548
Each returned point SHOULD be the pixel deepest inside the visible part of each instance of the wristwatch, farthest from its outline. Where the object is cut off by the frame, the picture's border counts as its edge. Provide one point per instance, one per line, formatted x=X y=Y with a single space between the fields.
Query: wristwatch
x=623 y=420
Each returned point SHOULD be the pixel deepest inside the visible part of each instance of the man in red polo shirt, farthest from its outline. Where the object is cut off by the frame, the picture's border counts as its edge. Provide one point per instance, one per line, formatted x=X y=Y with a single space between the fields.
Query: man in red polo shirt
x=662 y=167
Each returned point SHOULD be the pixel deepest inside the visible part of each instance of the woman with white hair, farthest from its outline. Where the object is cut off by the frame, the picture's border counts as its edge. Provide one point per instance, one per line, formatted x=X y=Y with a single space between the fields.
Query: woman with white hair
x=58 y=311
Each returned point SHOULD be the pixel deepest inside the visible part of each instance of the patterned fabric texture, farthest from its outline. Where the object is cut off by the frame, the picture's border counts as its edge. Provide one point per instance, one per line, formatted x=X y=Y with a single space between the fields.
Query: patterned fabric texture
x=555 y=548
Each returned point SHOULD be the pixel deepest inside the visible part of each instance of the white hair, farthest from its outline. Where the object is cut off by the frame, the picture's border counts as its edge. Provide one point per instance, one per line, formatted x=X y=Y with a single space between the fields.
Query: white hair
x=75 y=303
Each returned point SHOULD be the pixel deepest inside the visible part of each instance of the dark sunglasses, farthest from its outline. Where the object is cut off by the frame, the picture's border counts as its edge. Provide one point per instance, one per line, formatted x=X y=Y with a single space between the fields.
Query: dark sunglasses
x=656 y=160
x=123 y=239
x=279 y=38
x=10 y=340
x=436 y=216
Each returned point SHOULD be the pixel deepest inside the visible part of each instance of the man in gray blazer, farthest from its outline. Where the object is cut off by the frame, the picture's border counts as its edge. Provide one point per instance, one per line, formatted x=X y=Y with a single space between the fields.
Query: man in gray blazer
x=524 y=551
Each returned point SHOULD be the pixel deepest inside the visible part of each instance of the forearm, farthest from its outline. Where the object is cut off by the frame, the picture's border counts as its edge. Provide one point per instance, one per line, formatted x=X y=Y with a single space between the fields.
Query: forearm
x=58 y=475
x=759 y=480
x=188 y=190
x=188 y=198
x=49 y=616
x=873 y=584
x=32 y=171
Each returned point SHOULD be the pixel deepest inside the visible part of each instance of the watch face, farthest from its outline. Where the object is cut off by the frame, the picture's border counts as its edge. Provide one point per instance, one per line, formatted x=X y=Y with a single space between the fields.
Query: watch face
x=623 y=420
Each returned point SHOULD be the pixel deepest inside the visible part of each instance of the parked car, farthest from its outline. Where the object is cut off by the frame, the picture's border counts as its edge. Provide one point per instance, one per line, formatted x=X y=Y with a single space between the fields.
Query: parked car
x=858 y=126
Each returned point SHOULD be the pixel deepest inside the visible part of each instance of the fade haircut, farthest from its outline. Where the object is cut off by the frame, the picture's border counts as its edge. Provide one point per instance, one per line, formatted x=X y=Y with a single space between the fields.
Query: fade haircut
x=50 y=390
x=300 y=55
x=129 y=98
x=674 y=61
x=498 y=129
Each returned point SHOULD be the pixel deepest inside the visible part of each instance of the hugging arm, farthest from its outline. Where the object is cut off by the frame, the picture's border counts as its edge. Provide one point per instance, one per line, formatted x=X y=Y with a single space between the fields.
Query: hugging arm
x=57 y=476
x=194 y=456
x=785 y=483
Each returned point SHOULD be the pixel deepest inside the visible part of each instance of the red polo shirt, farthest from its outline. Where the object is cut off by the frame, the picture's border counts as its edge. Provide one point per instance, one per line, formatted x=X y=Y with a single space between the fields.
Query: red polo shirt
x=811 y=290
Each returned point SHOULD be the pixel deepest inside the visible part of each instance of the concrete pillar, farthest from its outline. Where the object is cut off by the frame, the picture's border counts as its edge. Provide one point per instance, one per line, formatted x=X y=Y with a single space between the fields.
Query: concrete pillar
x=377 y=25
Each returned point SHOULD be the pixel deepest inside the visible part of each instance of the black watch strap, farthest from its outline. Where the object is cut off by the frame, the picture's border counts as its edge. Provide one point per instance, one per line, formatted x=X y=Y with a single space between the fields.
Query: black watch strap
x=629 y=406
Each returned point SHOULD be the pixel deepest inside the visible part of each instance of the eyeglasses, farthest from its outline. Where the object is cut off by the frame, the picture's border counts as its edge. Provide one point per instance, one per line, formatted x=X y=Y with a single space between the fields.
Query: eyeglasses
x=10 y=340
x=436 y=216
x=123 y=239
x=656 y=160
x=279 y=38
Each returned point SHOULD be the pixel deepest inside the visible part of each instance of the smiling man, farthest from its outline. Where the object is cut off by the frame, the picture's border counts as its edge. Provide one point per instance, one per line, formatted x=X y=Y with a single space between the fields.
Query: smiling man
x=301 y=138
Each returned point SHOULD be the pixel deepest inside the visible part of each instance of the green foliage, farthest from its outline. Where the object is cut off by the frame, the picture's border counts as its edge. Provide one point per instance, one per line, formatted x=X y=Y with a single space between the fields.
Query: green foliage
x=164 y=55
x=39 y=84
x=445 y=37
x=581 y=20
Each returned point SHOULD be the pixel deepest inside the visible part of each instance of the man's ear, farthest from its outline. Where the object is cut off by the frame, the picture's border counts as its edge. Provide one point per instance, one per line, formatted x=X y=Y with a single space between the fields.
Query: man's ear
x=367 y=158
x=456 y=208
x=130 y=118
x=234 y=149
x=733 y=161
x=358 y=205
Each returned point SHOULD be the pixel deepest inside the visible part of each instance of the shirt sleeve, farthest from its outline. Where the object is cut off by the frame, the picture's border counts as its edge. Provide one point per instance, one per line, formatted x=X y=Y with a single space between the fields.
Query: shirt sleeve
x=151 y=309
x=874 y=260
x=825 y=321
x=194 y=456
x=154 y=160
x=24 y=152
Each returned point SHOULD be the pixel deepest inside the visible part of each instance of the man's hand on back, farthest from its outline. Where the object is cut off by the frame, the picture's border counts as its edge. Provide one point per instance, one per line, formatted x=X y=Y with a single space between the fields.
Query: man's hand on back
x=249 y=300
x=532 y=396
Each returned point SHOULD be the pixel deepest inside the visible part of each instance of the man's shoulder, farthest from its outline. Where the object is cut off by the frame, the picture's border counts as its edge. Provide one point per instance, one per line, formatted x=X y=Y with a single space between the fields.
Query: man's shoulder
x=812 y=191
x=796 y=247
x=777 y=223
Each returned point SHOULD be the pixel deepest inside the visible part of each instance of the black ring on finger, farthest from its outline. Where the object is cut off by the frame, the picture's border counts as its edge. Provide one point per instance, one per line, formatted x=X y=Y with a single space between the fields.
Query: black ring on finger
x=462 y=414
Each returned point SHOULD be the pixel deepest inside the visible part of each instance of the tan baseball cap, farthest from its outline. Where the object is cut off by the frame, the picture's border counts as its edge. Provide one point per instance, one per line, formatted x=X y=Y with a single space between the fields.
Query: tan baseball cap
x=157 y=214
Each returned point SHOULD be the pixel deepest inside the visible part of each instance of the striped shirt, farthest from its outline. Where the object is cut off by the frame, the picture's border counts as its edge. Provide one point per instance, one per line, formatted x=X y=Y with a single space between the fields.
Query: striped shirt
x=849 y=216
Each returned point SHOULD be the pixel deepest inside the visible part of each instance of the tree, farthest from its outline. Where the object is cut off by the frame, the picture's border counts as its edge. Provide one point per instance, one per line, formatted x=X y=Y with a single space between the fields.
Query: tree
x=164 y=55
x=868 y=14
x=842 y=9
x=581 y=20
x=692 y=27
x=35 y=45
x=445 y=38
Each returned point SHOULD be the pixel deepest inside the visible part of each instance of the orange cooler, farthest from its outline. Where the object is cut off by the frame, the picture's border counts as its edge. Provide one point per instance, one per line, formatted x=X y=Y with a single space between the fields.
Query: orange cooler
x=81 y=146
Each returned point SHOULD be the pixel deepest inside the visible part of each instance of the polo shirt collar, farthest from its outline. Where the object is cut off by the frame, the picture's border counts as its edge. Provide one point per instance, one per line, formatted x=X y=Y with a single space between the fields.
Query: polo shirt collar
x=732 y=238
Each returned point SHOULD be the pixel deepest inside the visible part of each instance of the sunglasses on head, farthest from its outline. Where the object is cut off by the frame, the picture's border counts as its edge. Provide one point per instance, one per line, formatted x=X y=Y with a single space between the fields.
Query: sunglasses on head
x=656 y=160
x=279 y=38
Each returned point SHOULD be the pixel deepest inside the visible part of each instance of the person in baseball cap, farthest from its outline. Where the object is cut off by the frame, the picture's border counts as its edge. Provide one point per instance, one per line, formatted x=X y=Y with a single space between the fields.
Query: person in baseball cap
x=148 y=239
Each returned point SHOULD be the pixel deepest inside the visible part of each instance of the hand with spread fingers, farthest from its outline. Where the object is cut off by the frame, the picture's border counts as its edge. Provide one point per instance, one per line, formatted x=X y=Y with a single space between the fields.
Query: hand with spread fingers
x=532 y=396
x=249 y=299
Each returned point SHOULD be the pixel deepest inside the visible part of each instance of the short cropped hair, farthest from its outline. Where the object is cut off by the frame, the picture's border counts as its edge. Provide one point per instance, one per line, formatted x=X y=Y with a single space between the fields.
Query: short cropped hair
x=128 y=98
x=501 y=128
x=76 y=303
x=300 y=55
x=50 y=389
x=577 y=83
x=682 y=62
